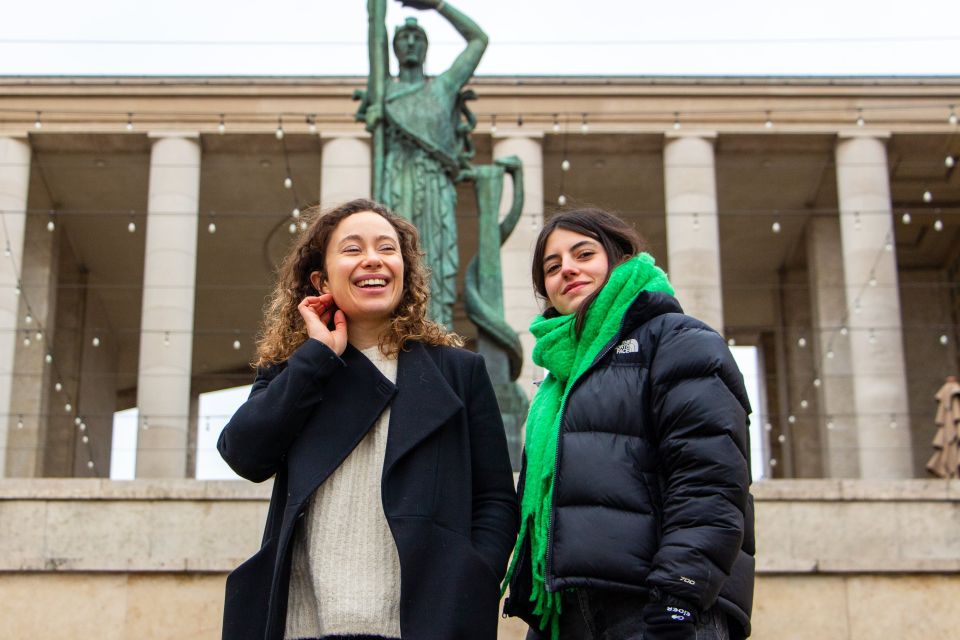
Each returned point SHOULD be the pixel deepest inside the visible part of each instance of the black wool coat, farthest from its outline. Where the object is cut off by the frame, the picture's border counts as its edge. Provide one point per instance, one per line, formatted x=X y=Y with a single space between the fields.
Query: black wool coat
x=652 y=475
x=447 y=486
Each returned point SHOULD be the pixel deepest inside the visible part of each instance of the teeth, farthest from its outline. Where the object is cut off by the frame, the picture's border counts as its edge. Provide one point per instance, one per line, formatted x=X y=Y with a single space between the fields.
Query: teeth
x=372 y=282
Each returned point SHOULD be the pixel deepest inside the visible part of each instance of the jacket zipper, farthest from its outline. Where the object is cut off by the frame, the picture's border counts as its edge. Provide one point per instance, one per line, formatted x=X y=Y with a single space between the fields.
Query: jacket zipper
x=548 y=577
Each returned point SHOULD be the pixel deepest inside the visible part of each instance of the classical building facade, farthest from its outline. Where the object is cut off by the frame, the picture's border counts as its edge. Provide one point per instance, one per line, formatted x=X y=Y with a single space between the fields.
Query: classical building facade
x=816 y=220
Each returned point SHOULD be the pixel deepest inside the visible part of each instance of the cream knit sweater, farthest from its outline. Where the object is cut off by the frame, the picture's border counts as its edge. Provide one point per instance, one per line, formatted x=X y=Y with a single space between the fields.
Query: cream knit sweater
x=345 y=574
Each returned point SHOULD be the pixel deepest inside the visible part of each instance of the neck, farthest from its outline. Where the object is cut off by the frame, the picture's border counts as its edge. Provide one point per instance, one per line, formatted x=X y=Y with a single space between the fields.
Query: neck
x=365 y=333
x=411 y=74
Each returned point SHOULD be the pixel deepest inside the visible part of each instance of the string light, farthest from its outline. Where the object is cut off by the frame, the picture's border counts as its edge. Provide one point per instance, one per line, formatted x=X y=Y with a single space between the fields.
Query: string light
x=802 y=342
x=129 y=122
x=584 y=126
x=949 y=161
x=906 y=217
x=236 y=345
x=769 y=123
x=493 y=123
x=556 y=123
x=51 y=225
x=816 y=382
x=28 y=318
x=222 y=126
x=873 y=280
x=520 y=120
x=295 y=213
x=844 y=331
x=565 y=165
x=312 y=122
x=6 y=249
x=288 y=183
x=279 y=131
x=212 y=225
x=132 y=226
x=944 y=340
x=48 y=358
x=952 y=118
x=860 y=120
x=676 y=120
x=166 y=338
x=872 y=337
x=20 y=421
x=58 y=387
x=37 y=124
x=731 y=342
x=893 y=421
x=292 y=228
x=96 y=341
x=830 y=424
x=562 y=200
x=927 y=196
x=775 y=227
x=938 y=225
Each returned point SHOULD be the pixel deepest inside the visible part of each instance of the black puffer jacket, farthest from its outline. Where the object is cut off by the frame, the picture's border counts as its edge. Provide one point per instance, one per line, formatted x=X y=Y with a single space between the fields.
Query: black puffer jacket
x=652 y=477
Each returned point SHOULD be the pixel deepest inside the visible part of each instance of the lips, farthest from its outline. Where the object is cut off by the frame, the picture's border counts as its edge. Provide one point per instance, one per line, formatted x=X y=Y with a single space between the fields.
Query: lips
x=372 y=282
x=572 y=286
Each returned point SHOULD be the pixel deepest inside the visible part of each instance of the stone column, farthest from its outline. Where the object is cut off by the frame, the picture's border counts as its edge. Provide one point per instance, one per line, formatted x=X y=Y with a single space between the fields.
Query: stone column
x=693 y=234
x=14 y=186
x=519 y=300
x=831 y=348
x=166 y=324
x=345 y=169
x=876 y=343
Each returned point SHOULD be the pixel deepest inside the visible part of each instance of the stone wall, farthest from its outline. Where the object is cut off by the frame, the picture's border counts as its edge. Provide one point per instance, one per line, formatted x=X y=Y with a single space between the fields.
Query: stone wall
x=146 y=559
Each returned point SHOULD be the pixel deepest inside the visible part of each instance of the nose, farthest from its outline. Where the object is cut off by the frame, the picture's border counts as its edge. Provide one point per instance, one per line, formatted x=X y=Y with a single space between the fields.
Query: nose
x=568 y=268
x=371 y=259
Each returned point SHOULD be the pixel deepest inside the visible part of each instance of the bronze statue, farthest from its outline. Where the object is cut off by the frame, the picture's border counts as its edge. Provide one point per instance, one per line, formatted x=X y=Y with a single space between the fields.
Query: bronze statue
x=421 y=136
x=421 y=148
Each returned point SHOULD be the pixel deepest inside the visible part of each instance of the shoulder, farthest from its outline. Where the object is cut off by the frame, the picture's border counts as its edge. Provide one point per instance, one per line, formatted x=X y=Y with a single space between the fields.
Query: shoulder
x=679 y=341
x=453 y=357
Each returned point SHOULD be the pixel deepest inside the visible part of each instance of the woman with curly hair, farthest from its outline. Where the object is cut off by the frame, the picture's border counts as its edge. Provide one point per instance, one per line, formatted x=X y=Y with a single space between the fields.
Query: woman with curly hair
x=393 y=510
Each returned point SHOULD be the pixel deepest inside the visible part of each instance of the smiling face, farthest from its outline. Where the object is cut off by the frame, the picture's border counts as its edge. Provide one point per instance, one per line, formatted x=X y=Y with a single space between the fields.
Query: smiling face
x=574 y=266
x=364 y=268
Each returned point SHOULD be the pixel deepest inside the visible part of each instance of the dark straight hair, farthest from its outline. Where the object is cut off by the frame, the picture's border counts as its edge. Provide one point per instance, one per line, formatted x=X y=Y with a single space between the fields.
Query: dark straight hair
x=620 y=241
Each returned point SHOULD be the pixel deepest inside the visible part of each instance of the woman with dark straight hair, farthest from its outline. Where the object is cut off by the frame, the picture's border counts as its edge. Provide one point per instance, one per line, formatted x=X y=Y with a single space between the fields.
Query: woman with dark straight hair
x=636 y=517
x=393 y=510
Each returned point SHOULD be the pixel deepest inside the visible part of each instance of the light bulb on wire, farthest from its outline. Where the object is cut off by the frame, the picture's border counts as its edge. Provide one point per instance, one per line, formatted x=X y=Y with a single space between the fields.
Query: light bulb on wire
x=938 y=225
x=222 y=126
x=38 y=124
x=556 y=123
x=584 y=126
x=129 y=122
x=927 y=196
x=860 y=120
x=279 y=132
x=952 y=118
x=769 y=123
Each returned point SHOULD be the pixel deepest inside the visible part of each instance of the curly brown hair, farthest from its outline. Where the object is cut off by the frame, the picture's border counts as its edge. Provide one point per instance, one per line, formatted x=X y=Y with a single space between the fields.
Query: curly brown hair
x=283 y=328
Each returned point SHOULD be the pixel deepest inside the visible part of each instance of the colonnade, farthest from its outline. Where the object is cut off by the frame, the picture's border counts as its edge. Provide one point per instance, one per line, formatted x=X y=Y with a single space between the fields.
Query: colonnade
x=856 y=384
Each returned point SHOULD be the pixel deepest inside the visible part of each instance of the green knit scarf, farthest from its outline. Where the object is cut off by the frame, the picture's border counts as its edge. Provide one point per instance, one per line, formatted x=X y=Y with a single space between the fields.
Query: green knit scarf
x=566 y=357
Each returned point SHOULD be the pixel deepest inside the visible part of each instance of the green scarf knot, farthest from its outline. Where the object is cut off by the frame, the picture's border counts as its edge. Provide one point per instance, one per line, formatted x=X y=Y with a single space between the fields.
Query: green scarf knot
x=566 y=357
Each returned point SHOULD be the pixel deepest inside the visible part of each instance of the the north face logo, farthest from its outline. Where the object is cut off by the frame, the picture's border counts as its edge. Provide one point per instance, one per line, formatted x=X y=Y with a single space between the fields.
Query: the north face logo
x=628 y=346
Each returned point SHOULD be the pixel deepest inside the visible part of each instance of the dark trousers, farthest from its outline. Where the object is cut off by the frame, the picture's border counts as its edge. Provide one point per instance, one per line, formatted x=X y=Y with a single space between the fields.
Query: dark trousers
x=607 y=615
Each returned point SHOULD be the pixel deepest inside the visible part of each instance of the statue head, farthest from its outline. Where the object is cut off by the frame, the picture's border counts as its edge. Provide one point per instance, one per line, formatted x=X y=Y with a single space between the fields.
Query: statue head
x=410 y=43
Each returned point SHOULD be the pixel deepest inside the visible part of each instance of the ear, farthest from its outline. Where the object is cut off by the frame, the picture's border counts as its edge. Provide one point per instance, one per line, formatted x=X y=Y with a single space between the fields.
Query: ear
x=319 y=282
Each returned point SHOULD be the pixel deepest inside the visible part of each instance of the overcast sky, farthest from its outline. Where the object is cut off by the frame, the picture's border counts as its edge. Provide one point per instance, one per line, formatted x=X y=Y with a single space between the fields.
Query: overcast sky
x=569 y=37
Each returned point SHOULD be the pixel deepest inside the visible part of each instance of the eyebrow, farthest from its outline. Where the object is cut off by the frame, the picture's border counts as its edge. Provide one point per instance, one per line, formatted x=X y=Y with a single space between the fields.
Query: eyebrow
x=355 y=237
x=553 y=256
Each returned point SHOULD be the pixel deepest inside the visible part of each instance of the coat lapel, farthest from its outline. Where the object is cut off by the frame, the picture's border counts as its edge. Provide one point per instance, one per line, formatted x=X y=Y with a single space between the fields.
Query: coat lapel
x=424 y=402
x=354 y=399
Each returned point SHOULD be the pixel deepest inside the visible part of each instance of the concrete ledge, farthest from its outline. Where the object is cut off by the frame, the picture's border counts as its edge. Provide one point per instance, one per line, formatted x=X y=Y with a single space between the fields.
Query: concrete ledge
x=185 y=526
